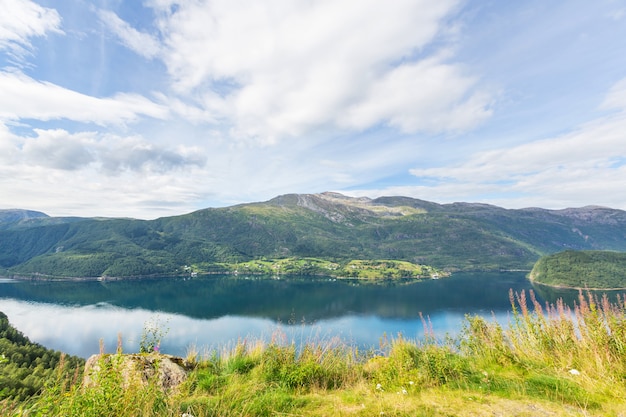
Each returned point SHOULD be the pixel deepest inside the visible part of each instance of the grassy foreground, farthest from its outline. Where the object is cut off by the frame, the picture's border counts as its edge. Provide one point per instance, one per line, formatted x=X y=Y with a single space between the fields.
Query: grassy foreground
x=550 y=361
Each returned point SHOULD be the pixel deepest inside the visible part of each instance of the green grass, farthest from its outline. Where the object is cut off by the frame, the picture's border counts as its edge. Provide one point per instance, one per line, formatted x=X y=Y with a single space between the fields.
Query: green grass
x=368 y=270
x=550 y=360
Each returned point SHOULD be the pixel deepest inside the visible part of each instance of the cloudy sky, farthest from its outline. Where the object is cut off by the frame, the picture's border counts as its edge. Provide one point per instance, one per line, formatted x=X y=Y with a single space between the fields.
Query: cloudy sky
x=161 y=107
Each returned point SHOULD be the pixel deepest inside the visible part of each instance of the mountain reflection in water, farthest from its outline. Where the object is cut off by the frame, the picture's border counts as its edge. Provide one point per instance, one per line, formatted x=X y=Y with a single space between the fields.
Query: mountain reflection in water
x=215 y=311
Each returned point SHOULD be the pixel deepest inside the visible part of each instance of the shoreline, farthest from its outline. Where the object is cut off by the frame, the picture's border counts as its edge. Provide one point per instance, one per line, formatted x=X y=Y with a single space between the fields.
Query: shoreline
x=444 y=275
x=232 y=270
x=50 y=278
x=566 y=287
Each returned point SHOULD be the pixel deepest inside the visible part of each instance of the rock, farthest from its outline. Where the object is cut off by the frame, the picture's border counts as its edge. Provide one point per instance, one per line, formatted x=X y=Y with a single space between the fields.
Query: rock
x=166 y=371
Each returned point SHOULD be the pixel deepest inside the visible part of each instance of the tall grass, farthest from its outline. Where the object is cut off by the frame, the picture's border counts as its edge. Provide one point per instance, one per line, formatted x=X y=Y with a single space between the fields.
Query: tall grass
x=575 y=355
x=590 y=337
x=554 y=357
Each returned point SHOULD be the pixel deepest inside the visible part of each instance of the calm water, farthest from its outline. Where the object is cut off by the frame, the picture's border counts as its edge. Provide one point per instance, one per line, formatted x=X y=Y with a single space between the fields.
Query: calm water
x=215 y=311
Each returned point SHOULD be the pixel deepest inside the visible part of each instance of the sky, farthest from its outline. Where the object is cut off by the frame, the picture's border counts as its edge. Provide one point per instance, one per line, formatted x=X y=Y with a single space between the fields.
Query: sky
x=156 y=108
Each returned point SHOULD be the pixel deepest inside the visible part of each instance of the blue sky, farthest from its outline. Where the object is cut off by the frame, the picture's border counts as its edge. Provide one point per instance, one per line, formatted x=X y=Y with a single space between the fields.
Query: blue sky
x=156 y=108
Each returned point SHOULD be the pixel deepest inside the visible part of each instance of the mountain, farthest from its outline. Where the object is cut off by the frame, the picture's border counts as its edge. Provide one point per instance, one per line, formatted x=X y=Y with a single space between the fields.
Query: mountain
x=12 y=216
x=459 y=236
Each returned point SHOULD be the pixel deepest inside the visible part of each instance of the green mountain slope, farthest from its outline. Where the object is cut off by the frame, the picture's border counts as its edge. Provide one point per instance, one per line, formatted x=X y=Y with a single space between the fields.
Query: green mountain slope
x=582 y=269
x=456 y=236
x=25 y=367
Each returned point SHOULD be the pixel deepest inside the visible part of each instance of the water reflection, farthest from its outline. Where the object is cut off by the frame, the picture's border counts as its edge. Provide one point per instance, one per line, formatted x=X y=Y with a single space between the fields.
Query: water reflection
x=311 y=299
x=211 y=312
x=570 y=297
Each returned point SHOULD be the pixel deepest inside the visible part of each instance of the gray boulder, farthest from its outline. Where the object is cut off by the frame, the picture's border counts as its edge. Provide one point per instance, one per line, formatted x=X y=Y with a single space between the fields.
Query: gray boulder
x=166 y=371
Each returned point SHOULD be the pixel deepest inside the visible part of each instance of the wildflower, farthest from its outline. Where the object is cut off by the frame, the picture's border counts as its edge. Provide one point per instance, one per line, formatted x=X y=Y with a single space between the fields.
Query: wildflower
x=574 y=371
x=404 y=391
x=156 y=348
x=379 y=387
x=186 y=415
x=411 y=382
x=486 y=376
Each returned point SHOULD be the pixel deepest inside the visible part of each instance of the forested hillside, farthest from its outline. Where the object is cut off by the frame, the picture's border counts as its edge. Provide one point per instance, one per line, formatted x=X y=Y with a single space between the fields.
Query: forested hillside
x=329 y=226
x=582 y=269
x=25 y=367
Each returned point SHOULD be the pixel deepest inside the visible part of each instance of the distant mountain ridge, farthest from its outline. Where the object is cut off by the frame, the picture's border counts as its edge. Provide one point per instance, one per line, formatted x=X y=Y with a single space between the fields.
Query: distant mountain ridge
x=17 y=215
x=457 y=236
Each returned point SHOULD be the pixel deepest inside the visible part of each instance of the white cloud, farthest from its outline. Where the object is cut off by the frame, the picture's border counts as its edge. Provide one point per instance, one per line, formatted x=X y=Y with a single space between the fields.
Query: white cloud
x=423 y=96
x=281 y=68
x=7 y=142
x=59 y=150
x=88 y=193
x=595 y=142
x=363 y=89
x=25 y=98
x=93 y=174
x=616 y=98
x=136 y=154
x=588 y=163
x=109 y=154
x=141 y=43
x=21 y=20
